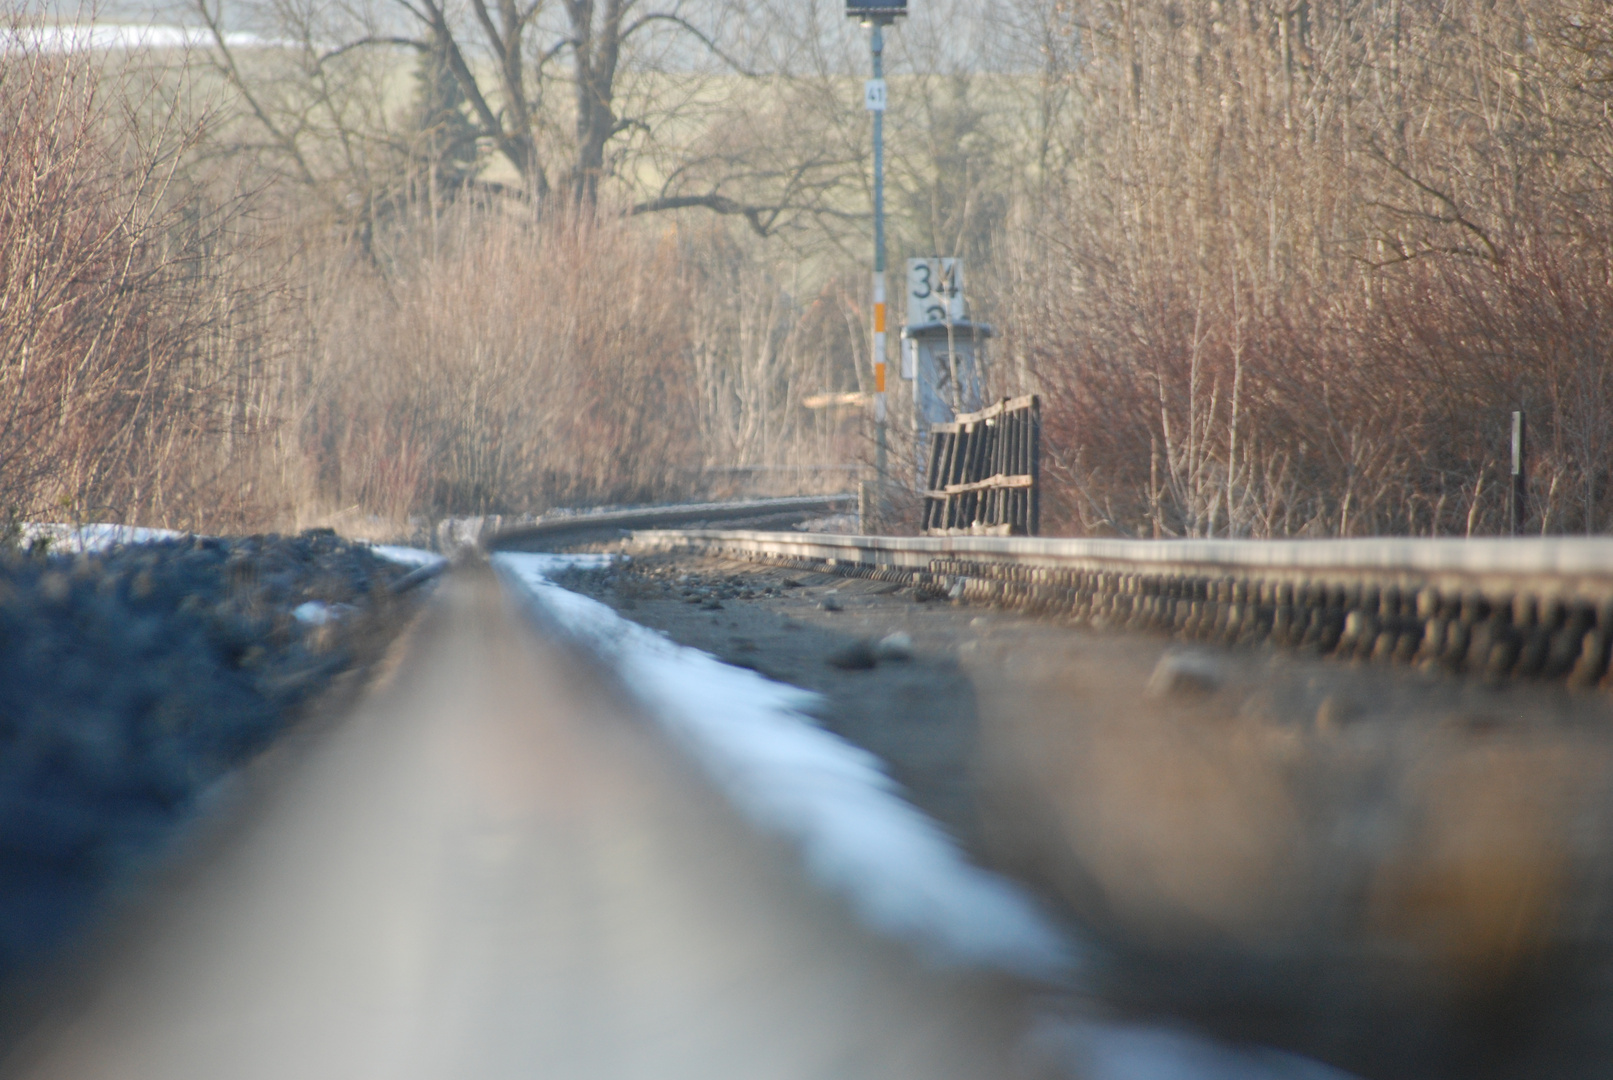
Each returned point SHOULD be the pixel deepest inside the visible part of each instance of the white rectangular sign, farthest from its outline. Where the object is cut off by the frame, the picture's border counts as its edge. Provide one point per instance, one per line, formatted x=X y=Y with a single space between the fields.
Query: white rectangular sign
x=874 y=95
x=934 y=290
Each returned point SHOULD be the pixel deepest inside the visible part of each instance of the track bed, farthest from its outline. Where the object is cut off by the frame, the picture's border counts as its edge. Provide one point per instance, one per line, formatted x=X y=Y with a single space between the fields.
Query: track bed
x=1399 y=871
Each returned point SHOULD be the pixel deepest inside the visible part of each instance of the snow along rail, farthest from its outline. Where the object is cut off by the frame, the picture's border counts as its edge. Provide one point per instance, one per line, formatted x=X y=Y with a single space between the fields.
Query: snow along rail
x=1490 y=607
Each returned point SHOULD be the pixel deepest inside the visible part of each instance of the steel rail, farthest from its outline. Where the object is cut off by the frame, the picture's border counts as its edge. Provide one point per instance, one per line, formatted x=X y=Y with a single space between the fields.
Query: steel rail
x=611 y=524
x=493 y=868
x=1491 y=607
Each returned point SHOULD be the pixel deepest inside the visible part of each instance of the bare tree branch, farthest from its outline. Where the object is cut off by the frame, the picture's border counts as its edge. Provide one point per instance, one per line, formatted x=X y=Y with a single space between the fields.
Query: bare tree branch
x=402 y=42
x=694 y=31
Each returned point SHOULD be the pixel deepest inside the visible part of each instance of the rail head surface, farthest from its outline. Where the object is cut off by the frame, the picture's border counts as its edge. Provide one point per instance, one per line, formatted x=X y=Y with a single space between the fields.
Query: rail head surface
x=1563 y=566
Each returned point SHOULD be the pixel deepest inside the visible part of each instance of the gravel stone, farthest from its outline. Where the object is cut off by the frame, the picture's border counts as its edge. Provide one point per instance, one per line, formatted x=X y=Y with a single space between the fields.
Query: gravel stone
x=132 y=680
x=1184 y=673
x=896 y=646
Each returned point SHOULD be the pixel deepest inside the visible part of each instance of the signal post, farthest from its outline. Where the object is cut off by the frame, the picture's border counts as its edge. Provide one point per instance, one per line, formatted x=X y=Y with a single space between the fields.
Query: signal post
x=876 y=15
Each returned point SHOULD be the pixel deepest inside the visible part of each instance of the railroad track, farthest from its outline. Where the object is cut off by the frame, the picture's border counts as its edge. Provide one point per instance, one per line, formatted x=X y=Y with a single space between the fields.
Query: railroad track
x=494 y=865
x=588 y=526
x=1492 y=608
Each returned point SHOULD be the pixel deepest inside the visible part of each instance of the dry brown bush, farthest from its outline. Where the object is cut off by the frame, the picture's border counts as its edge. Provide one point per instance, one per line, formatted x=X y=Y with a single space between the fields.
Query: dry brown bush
x=1308 y=260
x=497 y=363
x=128 y=371
x=520 y=366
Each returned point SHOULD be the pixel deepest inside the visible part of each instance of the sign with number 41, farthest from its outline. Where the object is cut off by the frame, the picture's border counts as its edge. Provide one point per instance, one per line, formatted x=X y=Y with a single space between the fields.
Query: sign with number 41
x=874 y=95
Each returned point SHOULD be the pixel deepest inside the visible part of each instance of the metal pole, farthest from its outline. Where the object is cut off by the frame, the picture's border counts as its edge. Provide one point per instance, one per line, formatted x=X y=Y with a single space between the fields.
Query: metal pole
x=876 y=42
x=952 y=360
x=1519 y=477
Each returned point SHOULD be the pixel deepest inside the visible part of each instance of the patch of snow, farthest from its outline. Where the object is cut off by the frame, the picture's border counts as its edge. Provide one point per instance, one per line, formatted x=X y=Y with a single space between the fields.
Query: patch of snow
x=107 y=37
x=313 y=613
x=81 y=538
x=900 y=872
x=407 y=556
x=839 y=524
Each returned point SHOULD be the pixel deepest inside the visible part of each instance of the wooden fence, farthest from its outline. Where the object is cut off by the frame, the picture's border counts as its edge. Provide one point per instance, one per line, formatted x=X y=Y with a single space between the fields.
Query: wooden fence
x=984 y=472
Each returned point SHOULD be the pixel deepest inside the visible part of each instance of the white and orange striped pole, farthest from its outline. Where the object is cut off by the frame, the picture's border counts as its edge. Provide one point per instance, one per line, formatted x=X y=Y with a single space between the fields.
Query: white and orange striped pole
x=879 y=346
x=874 y=98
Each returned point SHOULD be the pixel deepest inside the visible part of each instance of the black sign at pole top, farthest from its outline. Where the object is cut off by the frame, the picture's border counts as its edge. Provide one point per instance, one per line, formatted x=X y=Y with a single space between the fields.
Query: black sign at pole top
x=875 y=9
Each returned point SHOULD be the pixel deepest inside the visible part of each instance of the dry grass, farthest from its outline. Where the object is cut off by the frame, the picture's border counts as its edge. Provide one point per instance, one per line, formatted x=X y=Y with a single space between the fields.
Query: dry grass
x=1287 y=272
x=493 y=364
x=519 y=366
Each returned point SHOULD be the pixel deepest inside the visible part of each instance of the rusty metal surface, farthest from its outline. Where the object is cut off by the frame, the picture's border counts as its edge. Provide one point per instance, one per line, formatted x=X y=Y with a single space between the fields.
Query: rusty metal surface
x=1577 y=567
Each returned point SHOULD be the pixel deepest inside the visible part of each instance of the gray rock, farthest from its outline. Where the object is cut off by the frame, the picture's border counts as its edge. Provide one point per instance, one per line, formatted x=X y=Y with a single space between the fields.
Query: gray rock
x=1184 y=674
x=894 y=646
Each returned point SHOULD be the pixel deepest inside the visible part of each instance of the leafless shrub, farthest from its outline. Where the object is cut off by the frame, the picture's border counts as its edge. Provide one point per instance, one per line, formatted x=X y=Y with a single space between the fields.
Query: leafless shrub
x=1311 y=259
x=769 y=347
x=126 y=314
x=522 y=365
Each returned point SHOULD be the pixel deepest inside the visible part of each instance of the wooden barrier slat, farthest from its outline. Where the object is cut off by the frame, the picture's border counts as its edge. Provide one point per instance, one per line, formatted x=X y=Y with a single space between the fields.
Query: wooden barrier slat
x=982 y=475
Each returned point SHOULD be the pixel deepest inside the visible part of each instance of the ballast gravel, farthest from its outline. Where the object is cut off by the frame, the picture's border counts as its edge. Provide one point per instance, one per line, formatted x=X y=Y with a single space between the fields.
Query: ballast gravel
x=133 y=680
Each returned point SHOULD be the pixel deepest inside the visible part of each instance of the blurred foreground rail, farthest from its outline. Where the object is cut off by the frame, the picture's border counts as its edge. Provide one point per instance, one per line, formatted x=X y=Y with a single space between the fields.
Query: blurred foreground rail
x=1494 y=608
x=493 y=870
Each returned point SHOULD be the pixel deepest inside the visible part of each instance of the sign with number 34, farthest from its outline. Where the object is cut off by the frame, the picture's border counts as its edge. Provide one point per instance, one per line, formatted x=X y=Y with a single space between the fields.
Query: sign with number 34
x=934 y=290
